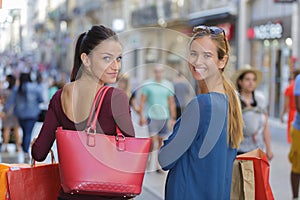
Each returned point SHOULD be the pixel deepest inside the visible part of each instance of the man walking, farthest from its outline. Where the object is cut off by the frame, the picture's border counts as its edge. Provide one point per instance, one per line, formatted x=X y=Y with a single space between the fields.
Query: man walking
x=158 y=96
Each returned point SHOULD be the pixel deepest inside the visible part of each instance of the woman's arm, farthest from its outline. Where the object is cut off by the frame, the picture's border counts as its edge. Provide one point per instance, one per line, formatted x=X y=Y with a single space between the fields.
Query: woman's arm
x=285 y=107
x=172 y=108
x=267 y=138
x=143 y=100
x=43 y=143
x=182 y=137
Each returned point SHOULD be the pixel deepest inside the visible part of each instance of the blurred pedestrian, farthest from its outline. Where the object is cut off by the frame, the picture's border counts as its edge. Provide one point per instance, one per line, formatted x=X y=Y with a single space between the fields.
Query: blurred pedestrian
x=294 y=154
x=10 y=121
x=25 y=101
x=158 y=96
x=97 y=61
x=200 y=152
x=182 y=92
x=254 y=107
x=124 y=84
x=289 y=105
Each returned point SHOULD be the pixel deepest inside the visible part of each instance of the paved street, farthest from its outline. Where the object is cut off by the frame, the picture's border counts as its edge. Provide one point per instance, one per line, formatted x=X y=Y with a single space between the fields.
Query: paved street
x=154 y=182
x=280 y=166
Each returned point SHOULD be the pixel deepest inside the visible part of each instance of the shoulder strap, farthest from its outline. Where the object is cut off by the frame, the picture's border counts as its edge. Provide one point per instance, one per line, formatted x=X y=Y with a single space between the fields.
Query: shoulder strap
x=93 y=116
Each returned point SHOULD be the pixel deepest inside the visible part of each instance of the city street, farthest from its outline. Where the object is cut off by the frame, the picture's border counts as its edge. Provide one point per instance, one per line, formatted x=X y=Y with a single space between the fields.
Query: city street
x=154 y=182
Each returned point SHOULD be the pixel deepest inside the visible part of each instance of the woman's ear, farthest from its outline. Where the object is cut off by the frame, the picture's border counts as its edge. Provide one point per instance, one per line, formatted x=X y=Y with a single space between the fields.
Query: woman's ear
x=223 y=62
x=85 y=59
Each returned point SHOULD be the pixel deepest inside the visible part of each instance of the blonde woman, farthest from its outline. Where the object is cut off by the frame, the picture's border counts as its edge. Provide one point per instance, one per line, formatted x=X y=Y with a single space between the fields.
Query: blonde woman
x=200 y=152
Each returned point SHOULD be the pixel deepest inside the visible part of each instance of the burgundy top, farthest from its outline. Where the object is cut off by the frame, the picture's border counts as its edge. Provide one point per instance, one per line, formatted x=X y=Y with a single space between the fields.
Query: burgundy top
x=115 y=110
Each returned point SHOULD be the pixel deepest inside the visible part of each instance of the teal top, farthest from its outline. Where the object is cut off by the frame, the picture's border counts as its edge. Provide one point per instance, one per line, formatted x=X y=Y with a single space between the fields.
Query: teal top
x=197 y=154
x=158 y=94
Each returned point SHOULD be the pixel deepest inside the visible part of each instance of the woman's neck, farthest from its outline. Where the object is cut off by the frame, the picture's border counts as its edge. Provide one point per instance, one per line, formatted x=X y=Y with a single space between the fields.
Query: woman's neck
x=86 y=78
x=204 y=87
x=247 y=97
x=246 y=94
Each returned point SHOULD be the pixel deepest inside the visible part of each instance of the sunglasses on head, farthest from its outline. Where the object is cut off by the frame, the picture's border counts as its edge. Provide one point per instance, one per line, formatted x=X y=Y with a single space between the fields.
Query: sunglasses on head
x=214 y=30
x=210 y=29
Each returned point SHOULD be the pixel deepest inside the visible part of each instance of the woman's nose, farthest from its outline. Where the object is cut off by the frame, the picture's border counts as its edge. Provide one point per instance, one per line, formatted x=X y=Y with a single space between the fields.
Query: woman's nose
x=198 y=60
x=115 y=65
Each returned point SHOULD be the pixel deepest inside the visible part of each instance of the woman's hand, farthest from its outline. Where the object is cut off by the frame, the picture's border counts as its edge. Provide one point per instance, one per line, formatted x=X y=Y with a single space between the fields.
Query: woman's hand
x=143 y=121
x=269 y=154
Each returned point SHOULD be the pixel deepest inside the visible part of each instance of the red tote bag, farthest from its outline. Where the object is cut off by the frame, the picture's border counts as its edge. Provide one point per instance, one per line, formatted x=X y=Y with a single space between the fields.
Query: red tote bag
x=100 y=164
x=37 y=182
x=261 y=167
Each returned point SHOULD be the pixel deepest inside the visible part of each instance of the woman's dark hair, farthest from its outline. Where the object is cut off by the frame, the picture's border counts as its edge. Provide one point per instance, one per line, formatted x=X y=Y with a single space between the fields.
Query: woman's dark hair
x=24 y=78
x=86 y=42
x=11 y=79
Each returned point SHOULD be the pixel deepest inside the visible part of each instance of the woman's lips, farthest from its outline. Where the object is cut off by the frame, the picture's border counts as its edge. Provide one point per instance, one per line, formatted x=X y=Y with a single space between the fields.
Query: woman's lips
x=113 y=74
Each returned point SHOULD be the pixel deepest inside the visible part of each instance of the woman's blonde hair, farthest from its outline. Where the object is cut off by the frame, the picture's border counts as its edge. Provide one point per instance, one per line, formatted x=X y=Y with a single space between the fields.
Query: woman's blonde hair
x=235 y=118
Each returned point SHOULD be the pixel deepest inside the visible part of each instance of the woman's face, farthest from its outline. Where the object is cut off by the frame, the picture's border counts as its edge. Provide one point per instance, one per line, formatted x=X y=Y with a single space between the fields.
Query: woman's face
x=203 y=59
x=104 y=62
x=248 y=82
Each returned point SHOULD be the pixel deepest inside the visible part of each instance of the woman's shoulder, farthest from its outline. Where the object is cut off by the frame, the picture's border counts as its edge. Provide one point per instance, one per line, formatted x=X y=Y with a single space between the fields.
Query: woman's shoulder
x=56 y=98
x=117 y=91
x=260 y=99
x=67 y=89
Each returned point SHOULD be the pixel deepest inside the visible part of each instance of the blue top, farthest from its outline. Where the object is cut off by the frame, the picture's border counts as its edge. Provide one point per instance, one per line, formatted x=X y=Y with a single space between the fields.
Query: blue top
x=197 y=153
x=26 y=106
x=296 y=123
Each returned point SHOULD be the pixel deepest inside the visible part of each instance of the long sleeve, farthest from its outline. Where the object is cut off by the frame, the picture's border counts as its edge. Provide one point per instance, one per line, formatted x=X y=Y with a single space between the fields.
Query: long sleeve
x=182 y=137
x=46 y=137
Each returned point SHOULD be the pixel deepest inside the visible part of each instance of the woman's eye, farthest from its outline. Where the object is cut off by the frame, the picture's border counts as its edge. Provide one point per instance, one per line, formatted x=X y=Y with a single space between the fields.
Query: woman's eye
x=106 y=58
x=193 y=54
x=119 y=58
x=207 y=56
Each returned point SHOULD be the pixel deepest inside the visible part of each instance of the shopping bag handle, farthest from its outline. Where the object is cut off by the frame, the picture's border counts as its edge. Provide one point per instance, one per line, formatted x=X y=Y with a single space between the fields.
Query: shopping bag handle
x=33 y=161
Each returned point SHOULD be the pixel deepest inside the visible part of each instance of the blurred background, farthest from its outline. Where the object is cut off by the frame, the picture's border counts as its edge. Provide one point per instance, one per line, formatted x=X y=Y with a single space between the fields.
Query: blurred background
x=39 y=36
x=262 y=33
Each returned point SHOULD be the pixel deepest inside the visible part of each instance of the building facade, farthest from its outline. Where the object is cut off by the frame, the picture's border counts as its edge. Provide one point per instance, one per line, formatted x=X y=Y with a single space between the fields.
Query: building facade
x=267 y=43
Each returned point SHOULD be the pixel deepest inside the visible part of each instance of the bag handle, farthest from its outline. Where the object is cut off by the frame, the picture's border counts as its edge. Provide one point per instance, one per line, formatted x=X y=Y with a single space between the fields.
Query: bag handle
x=92 y=120
x=92 y=111
x=93 y=117
x=33 y=162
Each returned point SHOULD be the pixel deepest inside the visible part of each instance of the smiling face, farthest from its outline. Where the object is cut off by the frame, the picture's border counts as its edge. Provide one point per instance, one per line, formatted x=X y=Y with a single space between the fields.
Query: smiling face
x=104 y=62
x=203 y=59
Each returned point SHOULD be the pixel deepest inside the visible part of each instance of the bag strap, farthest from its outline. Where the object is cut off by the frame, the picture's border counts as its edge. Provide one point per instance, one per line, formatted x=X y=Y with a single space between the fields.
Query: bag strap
x=93 y=117
x=92 y=111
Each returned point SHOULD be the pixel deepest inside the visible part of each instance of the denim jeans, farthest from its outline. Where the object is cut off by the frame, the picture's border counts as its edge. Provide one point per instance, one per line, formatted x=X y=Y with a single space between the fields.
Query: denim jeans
x=27 y=127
